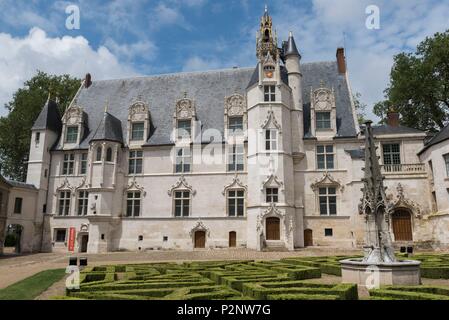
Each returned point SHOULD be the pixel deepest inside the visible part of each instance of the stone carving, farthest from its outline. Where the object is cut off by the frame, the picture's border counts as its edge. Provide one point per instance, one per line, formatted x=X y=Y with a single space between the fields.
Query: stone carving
x=402 y=201
x=83 y=185
x=271 y=120
x=375 y=206
x=323 y=99
x=138 y=111
x=185 y=109
x=73 y=115
x=327 y=179
x=181 y=184
x=134 y=186
x=65 y=186
x=272 y=180
x=84 y=227
x=235 y=105
x=235 y=184
x=200 y=226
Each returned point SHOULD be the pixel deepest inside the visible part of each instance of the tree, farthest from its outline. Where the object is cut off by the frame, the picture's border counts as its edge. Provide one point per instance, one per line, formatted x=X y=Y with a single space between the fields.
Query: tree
x=360 y=107
x=419 y=85
x=24 y=108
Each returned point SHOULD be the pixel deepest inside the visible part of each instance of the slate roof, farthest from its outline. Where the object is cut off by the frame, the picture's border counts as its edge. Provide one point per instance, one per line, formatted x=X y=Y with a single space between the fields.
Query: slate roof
x=207 y=89
x=49 y=118
x=109 y=129
x=16 y=184
x=386 y=129
x=289 y=47
x=441 y=136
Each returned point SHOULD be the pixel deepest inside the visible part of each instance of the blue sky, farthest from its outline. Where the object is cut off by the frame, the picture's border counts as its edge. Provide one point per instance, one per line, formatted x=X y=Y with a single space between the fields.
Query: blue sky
x=125 y=38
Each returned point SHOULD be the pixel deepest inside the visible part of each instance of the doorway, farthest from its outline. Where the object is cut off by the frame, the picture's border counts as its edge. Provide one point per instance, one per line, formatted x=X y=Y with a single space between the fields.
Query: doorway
x=84 y=242
x=273 y=228
x=200 y=239
x=232 y=239
x=14 y=237
x=402 y=225
x=308 y=238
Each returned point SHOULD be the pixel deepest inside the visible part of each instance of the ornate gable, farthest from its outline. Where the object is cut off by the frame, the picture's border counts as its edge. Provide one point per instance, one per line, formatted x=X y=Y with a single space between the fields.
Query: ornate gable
x=326 y=180
x=181 y=184
x=271 y=122
x=236 y=183
x=235 y=105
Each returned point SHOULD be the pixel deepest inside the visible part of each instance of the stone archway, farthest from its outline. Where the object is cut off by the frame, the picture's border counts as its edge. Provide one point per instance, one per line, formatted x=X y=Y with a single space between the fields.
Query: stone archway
x=402 y=225
x=13 y=237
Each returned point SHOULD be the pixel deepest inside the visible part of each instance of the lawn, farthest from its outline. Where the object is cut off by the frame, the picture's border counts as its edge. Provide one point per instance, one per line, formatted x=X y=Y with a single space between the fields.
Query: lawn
x=33 y=286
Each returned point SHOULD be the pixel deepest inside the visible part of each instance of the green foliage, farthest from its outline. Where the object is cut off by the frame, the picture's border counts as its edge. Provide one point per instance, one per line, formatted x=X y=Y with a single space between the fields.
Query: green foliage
x=31 y=287
x=360 y=107
x=27 y=102
x=433 y=266
x=411 y=293
x=419 y=88
x=10 y=240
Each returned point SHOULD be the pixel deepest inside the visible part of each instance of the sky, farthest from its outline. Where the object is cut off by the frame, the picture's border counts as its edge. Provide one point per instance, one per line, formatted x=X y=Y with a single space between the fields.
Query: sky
x=125 y=38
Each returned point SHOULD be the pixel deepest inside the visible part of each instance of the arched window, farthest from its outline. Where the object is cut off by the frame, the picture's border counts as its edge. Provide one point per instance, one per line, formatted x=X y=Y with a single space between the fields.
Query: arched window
x=98 y=158
x=109 y=154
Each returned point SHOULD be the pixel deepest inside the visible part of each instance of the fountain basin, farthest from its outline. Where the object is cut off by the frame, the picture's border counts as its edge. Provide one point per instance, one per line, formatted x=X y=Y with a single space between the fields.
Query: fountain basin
x=404 y=273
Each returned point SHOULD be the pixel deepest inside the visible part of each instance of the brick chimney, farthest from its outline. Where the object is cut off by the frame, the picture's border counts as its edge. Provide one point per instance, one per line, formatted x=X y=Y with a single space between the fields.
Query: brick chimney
x=87 y=80
x=393 y=118
x=341 y=60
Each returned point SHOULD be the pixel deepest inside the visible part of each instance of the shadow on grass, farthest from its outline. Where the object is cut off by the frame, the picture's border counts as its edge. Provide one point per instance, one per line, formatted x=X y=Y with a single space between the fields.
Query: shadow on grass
x=31 y=287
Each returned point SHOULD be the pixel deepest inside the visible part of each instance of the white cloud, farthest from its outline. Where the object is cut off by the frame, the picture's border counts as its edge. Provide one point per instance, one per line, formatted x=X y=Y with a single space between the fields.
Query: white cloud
x=166 y=15
x=200 y=64
x=21 y=57
x=144 y=49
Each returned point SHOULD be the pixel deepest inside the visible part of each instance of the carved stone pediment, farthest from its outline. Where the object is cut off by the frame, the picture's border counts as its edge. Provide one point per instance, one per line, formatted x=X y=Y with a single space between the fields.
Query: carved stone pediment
x=83 y=185
x=272 y=181
x=235 y=105
x=323 y=99
x=185 y=109
x=271 y=122
x=199 y=226
x=138 y=111
x=65 y=186
x=327 y=180
x=403 y=202
x=181 y=184
x=235 y=184
x=134 y=186
x=73 y=115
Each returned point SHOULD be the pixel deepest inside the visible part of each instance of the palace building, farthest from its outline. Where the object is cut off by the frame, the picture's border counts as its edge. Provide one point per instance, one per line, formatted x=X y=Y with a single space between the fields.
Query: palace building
x=268 y=157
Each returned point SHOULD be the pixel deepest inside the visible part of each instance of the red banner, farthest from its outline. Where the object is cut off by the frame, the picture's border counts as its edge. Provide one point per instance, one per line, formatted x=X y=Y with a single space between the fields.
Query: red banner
x=72 y=233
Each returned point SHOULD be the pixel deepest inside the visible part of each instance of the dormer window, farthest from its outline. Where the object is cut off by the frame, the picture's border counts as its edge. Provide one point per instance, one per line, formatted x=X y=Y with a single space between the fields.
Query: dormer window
x=235 y=125
x=184 y=128
x=71 y=134
x=269 y=93
x=323 y=120
x=137 y=131
x=235 y=115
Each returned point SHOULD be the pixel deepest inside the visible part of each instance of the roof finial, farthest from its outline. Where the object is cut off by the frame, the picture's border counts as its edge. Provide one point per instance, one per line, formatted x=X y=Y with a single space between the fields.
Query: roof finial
x=185 y=94
x=290 y=34
x=266 y=9
x=106 y=107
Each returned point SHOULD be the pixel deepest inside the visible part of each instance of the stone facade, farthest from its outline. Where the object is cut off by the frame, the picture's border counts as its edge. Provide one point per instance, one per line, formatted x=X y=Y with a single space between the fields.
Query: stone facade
x=265 y=157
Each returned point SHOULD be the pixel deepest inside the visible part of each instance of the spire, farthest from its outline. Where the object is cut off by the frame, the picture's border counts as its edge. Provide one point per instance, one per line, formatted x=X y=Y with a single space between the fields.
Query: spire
x=266 y=38
x=266 y=10
x=290 y=46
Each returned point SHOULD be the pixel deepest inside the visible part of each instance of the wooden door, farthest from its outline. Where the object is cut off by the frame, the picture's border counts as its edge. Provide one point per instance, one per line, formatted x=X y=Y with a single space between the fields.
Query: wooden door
x=200 y=239
x=273 y=229
x=232 y=239
x=84 y=241
x=308 y=238
x=402 y=226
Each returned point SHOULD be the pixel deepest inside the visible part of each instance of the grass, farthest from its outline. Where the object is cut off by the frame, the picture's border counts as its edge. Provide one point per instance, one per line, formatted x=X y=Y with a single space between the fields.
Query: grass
x=31 y=287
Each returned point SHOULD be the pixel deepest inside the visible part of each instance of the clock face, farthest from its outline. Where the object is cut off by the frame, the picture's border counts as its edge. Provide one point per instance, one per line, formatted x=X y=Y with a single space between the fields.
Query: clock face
x=269 y=74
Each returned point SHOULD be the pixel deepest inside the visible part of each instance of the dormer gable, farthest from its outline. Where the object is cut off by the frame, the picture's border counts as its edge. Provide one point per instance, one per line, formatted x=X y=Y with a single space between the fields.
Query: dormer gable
x=74 y=127
x=323 y=112
x=139 y=123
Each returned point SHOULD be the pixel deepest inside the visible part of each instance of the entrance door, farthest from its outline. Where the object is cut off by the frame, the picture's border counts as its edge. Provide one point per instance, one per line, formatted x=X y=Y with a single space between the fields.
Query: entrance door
x=200 y=239
x=273 y=229
x=402 y=226
x=308 y=238
x=84 y=241
x=232 y=239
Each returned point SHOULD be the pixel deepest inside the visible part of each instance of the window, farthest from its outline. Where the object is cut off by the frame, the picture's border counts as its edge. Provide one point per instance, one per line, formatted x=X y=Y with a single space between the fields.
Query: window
x=133 y=204
x=269 y=93
x=325 y=157
x=68 y=164
x=137 y=131
x=431 y=170
x=135 y=162
x=235 y=125
x=328 y=232
x=236 y=158
x=109 y=155
x=184 y=129
x=434 y=202
x=182 y=203
x=37 y=137
x=83 y=163
x=272 y=195
x=392 y=156
x=328 y=201
x=64 y=203
x=236 y=203
x=72 y=134
x=183 y=160
x=323 y=120
x=83 y=199
x=18 y=205
x=98 y=156
x=60 y=235
x=271 y=139
x=446 y=162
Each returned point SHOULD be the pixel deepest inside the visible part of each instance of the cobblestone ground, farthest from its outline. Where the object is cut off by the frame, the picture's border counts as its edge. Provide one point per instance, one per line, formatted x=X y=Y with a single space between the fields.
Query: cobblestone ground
x=15 y=268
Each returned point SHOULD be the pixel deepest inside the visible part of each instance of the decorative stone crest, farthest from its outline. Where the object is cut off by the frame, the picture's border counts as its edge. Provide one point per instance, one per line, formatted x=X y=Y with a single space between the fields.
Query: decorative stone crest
x=235 y=105
x=402 y=201
x=235 y=184
x=73 y=115
x=84 y=227
x=134 y=186
x=185 y=108
x=323 y=98
x=271 y=120
x=272 y=180
x=181 y=184
x=65 y=186
x=83 y=185
x=138 y=111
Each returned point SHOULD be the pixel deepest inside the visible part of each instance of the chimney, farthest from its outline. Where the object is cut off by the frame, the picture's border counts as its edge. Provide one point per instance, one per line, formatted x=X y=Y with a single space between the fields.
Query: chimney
x=393 y=118
x=87 y=80
x=341 y=60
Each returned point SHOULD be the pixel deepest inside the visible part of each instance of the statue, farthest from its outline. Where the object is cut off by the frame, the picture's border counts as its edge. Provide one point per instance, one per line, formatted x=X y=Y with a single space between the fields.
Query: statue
x=375 y=207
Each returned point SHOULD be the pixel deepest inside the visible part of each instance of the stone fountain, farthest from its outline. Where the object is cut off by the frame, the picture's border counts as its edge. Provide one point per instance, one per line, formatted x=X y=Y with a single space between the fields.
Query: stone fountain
x=379 y=265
